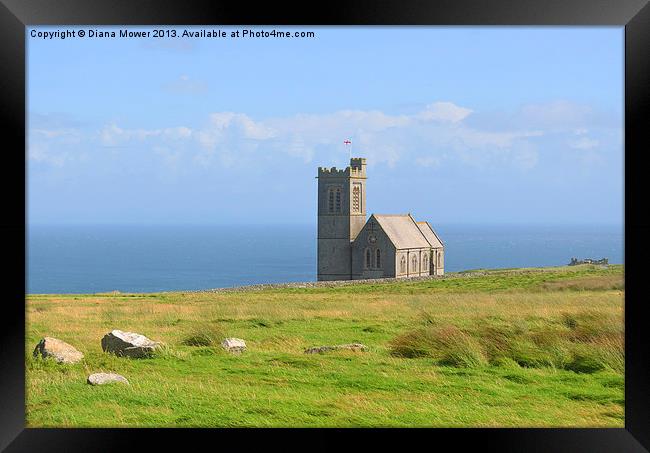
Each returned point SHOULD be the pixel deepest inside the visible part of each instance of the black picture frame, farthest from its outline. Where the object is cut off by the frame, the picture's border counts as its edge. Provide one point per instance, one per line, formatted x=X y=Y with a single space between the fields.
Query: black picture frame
x=17 y=15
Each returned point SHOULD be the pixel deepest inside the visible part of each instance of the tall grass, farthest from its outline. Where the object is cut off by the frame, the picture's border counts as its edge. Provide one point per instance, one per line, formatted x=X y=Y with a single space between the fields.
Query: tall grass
x=450 y=345
x=584 y=342
x=203 y=334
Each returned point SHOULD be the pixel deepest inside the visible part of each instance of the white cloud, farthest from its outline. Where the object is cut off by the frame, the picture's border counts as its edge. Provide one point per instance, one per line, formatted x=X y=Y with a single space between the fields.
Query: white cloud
x=111 y=134
x=53 y=141
x=444 y=111
x=436 y=135
x=382 y=137
x=44 y=153
x=248 y=127
x=552 y=114
x=566 y=116
x=583 y=143
x=177 y=133
x=70 y=134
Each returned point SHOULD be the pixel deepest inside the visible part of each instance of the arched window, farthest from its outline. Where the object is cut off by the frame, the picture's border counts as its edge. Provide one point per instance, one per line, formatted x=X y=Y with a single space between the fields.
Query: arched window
x=338 y=200
x=414 y=263
x=438 y=255
x=378 y=259
x=356 y=204
x=368 y=257
x=330 y=200
x=402 y=265
x=425 y=261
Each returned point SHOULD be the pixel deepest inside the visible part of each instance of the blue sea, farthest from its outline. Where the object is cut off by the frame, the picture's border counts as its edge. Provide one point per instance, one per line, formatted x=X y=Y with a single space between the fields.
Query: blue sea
x=89 y=259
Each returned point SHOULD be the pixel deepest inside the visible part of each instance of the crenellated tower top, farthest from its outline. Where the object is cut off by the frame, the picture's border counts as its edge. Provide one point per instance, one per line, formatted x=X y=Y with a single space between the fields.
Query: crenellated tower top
x=357 y=169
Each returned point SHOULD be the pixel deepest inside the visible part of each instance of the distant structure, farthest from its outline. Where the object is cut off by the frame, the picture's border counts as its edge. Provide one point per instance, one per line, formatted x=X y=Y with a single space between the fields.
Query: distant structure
x=351 y=248
x=575 y=261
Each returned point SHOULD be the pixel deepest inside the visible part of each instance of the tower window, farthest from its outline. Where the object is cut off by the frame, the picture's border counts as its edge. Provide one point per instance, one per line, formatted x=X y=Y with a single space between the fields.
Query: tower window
x=368 y=257
x=330 y=201
x=402 y=265
x=356 y=198
x=338 y=201
x=378 y=259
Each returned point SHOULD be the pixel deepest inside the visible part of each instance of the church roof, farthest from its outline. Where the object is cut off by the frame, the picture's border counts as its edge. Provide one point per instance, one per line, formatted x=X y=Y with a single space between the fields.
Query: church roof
x=431 y=235
x=402 y=230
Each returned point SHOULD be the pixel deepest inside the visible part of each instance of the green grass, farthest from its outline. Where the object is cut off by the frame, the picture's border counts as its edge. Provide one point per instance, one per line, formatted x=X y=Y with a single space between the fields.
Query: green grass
x=523 y=347
x=203 y=334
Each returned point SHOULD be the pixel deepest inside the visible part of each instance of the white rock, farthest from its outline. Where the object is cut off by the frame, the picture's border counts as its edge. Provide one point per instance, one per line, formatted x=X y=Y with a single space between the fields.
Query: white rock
x=236 y=345
x=106 y=378
x=128 y=344
x=59 y=350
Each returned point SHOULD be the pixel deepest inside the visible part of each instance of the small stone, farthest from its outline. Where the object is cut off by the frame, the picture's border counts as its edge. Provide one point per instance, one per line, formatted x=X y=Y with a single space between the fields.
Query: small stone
x=356 y=347
x=128 y=344
x=59 y=350
x=106 y=378
x=235 y=345
x=319 y=349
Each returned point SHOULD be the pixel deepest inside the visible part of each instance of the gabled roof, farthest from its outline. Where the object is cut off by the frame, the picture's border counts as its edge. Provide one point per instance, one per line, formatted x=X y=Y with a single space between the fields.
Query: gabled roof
x=402 y=230
x=431 y=235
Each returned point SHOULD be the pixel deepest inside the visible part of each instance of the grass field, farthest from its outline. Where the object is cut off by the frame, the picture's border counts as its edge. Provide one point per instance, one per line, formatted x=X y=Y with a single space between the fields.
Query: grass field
x=514 y=348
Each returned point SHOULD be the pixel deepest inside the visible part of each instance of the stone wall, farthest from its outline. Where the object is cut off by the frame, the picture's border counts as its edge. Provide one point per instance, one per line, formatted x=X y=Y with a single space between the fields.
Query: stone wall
x=336 y=283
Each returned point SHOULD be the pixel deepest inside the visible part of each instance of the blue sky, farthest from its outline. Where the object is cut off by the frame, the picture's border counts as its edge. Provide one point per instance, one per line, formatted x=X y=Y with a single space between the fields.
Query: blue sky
x=459 y=124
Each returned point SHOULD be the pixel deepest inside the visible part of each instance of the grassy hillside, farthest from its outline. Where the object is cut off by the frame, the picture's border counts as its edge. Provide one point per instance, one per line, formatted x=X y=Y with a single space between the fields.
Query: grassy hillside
x=521 y=347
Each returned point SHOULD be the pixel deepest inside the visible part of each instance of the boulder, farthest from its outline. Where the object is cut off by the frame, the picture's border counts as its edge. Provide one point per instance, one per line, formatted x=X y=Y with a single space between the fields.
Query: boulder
x=356 y=347
x=235 y=345
x=106 y=378
x=59 y=350
x=128 y=344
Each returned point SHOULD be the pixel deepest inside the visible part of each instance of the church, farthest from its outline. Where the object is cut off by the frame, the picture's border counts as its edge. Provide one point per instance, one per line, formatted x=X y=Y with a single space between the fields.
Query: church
x=385 y=245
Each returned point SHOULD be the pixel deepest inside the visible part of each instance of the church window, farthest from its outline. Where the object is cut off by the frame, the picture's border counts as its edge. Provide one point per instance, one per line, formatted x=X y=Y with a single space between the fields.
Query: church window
x=425 y=261
x=330 y=200
x=368 y=256
x=338 y=200
x=438 y=256
x=414 y=263
x=378 y=260
x=402 y=265
x=356 y=204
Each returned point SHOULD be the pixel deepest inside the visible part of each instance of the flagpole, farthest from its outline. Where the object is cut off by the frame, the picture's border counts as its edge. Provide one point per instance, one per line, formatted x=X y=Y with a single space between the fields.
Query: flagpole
x=347 y=142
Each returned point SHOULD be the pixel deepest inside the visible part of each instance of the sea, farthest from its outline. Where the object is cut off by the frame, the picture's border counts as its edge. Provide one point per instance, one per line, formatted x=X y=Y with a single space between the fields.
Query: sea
x=86 y=259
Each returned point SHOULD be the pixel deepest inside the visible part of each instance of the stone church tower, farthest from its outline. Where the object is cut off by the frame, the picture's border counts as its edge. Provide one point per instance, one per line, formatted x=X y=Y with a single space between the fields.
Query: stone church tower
x=384 y=246
x=341 y=215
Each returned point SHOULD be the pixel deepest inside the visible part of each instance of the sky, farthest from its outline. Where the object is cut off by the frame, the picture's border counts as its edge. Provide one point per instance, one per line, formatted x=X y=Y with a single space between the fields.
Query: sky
x=481 y=125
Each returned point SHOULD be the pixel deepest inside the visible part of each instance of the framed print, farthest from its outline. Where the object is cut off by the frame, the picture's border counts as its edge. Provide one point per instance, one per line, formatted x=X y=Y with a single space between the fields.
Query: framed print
x=353 y=218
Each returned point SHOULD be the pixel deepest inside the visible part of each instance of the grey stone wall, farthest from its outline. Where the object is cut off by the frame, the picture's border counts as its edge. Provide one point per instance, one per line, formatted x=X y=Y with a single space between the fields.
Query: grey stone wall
x=330 y=284
x=334 y=259
x=337 y=228
x=359 y=268
x=438 y=265
x=420 y=270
